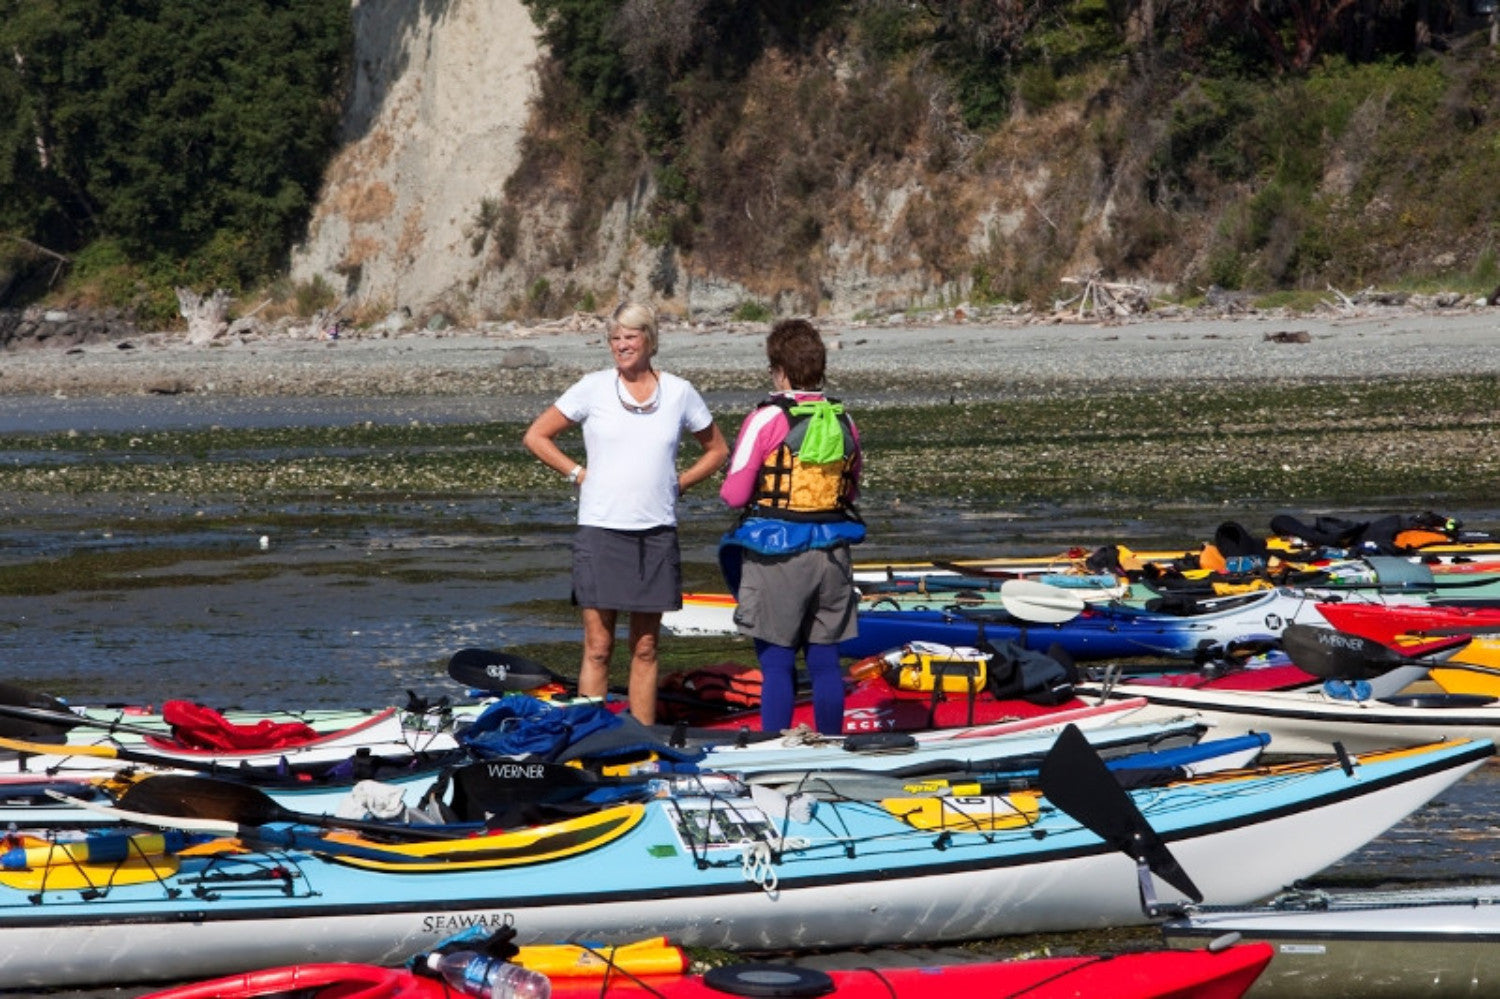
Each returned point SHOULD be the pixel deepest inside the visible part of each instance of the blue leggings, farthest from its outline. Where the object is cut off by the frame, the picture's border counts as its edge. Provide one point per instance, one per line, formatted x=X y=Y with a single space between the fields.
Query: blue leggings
x=778 y=667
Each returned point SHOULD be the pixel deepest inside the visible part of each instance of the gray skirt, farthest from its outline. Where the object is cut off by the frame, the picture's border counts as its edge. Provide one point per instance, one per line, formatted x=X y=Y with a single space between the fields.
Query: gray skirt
x=637 y=571
x=792 y=600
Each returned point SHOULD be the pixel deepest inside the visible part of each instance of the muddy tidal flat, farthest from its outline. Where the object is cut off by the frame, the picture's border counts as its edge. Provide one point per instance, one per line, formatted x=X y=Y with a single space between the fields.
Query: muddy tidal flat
x=323 y=523
x=351 y=511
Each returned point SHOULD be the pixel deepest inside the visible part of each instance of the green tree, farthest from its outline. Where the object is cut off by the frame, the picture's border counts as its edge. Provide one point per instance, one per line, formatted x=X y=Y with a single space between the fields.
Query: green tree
x=187 y=131
x=582 y=35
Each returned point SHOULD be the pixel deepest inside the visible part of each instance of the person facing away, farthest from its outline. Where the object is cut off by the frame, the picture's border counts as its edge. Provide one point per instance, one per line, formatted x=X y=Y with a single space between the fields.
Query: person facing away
x=794 y=474
x=625 y=551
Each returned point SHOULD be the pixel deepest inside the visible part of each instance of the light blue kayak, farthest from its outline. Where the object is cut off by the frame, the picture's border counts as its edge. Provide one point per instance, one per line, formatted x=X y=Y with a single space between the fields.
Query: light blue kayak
x=759 y=871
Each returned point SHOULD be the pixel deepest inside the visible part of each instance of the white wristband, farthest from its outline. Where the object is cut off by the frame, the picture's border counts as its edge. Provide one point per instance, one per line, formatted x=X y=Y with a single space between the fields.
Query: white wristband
x=574 y=474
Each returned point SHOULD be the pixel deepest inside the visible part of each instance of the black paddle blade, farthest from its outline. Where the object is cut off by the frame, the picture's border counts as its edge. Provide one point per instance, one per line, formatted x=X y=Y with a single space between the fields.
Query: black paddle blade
x=499 y=672
x=1337 y=655
x=37 y=718
x=532 y=780
x=1075 y=779
x=191 y=797
x=23 y=698
x=1332 y=654
x=30 y=729
x=181 y=796
x=505 y=792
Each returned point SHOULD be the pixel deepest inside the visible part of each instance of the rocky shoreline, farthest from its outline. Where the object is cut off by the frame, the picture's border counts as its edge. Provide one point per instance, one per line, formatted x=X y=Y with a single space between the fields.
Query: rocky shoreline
x=951 y=351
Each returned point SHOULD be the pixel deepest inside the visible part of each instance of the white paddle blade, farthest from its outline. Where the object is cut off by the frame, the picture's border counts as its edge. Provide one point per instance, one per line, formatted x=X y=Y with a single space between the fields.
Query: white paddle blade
x=1042 y=603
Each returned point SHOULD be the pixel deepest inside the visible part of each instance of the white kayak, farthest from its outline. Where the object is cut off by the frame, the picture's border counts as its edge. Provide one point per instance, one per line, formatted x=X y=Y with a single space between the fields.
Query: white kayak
x=1406 y=944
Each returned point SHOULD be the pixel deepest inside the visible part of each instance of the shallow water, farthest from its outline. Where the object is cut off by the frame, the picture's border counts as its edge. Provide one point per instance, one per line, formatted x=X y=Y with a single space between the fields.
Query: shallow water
x=373 y=602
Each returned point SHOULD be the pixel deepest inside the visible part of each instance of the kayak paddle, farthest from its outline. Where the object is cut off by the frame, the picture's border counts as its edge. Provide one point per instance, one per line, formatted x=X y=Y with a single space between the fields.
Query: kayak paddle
x=1041 y=603
x=61 y=721
x=970 y=572
x=1332 y=654
x=280 y=838
x=198 y=797
x=1338 y=655
x=500 y=672
x=25 y=725
x=23 y=698
x=508 y=791
x=1076 y=780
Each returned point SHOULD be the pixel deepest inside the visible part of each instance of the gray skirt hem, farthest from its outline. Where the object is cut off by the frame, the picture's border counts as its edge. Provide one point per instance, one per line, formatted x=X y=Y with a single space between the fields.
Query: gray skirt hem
x=634 y=571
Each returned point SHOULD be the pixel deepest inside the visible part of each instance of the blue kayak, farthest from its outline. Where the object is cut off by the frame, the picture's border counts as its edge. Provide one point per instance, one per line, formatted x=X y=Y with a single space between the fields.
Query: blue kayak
x=1099 y=631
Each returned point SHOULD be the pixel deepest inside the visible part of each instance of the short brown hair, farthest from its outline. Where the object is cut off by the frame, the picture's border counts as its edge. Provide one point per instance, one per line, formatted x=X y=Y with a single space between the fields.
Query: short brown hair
x=796 y=347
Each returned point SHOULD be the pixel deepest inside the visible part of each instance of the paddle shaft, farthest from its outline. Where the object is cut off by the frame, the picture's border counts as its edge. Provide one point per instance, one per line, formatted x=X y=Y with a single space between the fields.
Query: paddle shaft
x=278 y=838
x=67 y=719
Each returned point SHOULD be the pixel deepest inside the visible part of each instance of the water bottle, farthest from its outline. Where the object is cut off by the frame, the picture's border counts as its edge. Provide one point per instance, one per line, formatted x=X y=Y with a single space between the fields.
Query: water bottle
x=486 y=978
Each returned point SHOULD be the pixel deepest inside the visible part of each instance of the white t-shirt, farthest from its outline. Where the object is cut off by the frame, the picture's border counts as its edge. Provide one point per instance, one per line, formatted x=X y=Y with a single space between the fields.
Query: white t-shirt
x=632 y=457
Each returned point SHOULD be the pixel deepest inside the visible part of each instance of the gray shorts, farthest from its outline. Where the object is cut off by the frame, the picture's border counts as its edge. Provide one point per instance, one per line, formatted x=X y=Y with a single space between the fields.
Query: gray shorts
x=638 y=571
x=793 y=599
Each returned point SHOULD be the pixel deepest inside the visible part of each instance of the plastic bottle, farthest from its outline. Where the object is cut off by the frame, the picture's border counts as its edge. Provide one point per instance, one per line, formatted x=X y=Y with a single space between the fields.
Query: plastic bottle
x=486 y=978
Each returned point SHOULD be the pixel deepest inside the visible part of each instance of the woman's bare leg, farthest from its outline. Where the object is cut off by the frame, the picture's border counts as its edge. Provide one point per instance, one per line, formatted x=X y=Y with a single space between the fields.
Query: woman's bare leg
x=645 y=630
x=598 y=646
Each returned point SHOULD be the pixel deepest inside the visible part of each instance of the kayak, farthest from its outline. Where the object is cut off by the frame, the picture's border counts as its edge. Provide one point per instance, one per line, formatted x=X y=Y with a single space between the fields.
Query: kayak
x=382 y=732
x=1397 y=580
x=1312 y=720
x=896 y=691
x=923 y=592
x=973 y=754
x=1386 y=622
x=1364 y=944
x=757 y=871
x=521 y=729
x=873 y=703
x=1224 y=973
x=1098 y=632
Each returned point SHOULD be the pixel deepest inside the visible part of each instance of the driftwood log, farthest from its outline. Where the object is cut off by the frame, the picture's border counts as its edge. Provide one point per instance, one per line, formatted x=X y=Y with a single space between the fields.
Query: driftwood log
x=1105 y=299
x=207 y=316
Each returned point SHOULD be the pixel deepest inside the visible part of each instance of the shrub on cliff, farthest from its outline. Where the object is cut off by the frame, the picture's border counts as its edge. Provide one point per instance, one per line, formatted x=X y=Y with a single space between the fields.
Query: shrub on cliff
x=191 y=133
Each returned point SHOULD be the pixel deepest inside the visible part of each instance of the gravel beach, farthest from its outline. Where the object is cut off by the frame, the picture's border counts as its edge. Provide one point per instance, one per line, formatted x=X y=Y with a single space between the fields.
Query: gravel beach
x=937 y=355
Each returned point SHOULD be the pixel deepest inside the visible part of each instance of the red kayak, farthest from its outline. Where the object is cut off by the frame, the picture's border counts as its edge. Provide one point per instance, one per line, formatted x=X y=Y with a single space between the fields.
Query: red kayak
x=1285 y=676
x=1156 y=974
x=1383 y=622
x=872 y=703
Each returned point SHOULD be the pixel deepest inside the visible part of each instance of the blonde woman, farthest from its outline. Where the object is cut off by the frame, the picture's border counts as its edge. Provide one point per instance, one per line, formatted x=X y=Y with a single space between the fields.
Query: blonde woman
x=625 y=551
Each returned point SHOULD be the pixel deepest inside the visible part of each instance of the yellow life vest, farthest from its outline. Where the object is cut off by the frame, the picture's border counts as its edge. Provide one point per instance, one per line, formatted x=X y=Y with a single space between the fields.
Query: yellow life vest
x=809 y=475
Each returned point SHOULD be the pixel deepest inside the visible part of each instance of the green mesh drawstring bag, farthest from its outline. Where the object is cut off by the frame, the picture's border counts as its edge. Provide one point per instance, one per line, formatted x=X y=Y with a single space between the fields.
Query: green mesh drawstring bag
x=823 y=441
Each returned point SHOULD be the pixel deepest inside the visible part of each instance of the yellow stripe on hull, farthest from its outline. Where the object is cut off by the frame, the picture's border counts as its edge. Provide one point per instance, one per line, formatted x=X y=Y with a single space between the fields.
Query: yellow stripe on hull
x=511 y=848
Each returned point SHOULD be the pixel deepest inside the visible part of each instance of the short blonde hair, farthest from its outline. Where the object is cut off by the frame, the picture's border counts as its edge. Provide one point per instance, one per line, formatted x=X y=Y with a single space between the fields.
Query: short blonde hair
x=635 y=316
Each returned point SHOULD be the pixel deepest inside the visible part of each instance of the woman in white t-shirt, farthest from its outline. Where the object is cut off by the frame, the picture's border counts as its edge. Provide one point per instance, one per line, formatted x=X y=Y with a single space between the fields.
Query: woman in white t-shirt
x=625 y=552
